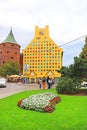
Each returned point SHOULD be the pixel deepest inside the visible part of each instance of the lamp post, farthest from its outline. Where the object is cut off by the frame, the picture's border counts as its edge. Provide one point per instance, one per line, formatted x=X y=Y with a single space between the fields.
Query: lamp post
x=26 y=66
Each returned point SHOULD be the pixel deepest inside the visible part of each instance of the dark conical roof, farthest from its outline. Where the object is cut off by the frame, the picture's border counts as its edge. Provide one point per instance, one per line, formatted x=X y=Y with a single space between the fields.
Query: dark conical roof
x=10 y=38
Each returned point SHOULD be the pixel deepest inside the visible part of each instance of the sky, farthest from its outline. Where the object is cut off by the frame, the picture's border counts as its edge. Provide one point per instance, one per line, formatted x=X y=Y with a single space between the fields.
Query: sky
x=67 y=20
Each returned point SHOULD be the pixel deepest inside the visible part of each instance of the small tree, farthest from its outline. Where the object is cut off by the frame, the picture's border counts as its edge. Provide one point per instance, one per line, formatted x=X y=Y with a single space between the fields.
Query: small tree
x=80 y=68
x=67 y=86
x=73 y=75
x=83 y=53
x=63 y=71
x=9 y=68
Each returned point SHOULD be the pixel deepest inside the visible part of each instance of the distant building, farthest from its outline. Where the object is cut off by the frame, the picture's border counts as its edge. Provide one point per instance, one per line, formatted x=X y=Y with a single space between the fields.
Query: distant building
x=42 y=57
x=9 y=49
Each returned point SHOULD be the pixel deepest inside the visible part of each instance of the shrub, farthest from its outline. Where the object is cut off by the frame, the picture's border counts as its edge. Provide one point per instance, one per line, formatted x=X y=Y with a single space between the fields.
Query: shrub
x=40 y=102
x=66 y=85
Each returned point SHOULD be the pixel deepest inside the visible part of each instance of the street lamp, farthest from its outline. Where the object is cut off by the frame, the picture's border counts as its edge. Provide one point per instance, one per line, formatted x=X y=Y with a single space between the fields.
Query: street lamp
x=26 y=66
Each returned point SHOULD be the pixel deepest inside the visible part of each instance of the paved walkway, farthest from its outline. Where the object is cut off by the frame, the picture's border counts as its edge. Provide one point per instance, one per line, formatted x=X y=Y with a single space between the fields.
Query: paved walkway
x=12 y=88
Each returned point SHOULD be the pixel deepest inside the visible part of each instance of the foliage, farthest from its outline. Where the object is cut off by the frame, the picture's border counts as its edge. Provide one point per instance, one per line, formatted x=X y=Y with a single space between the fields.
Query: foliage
x=40 y=102
x=9 y=68
x=67 y=86
x=73 y=75
x=80 y=68
x=83 y=53
x=64 y=71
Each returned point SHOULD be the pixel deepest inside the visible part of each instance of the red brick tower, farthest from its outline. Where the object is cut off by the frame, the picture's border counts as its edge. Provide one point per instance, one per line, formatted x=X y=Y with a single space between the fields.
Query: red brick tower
x=9 y=49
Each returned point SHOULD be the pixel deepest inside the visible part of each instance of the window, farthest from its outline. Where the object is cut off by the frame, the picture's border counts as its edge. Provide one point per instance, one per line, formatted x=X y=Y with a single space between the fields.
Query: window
x=8 y=51
x=11 y=57
x=41 y=33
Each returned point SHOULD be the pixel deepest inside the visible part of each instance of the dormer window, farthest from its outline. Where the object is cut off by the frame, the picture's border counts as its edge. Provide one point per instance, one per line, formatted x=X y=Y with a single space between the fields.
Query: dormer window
x=41 y=33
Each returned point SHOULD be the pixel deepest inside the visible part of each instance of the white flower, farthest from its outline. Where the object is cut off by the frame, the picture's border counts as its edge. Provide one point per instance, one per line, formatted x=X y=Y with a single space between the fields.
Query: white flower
x=38 y=101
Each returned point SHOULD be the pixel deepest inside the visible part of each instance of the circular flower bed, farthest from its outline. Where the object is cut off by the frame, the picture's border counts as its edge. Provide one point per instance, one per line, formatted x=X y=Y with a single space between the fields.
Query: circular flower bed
x=44 y=102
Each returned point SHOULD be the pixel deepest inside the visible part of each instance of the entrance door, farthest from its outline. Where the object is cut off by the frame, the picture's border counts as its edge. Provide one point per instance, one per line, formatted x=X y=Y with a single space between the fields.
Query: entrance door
x=32 y=80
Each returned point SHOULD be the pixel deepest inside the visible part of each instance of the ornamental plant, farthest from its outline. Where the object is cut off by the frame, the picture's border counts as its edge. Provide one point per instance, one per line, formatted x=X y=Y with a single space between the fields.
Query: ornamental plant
x=44 y=102
x=67 y=85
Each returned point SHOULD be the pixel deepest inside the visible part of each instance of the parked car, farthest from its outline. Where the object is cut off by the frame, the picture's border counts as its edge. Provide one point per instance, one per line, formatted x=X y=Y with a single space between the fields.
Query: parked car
x=3 y=82
x=84 y=84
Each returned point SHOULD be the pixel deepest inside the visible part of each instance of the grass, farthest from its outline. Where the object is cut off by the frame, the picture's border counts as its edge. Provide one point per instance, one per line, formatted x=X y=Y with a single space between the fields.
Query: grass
x=70 y=114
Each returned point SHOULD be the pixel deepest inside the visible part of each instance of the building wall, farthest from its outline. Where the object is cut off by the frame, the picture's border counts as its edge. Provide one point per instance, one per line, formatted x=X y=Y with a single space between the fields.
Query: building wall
x=21 y=63
x=42 y=56
x=9 y=51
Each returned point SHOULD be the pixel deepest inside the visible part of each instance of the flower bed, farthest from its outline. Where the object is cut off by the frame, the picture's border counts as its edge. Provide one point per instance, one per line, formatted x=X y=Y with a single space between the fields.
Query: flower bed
x=44 y=102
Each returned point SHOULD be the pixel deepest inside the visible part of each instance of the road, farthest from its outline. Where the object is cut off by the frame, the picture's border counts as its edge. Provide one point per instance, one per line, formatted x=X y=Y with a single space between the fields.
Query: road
x=12 y=88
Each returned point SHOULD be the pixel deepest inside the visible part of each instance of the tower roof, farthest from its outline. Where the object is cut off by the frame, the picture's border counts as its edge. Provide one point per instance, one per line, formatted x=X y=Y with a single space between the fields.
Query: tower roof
x=10 y=38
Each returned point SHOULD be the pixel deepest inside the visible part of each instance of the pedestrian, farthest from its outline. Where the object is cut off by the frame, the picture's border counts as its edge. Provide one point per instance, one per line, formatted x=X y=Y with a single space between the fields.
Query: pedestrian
x=44 y=83
x=40 y=83
x=52 y=82
x=49 y=83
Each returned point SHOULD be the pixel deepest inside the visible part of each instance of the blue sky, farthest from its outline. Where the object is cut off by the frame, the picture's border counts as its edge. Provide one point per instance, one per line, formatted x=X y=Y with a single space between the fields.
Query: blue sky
x=67 y=20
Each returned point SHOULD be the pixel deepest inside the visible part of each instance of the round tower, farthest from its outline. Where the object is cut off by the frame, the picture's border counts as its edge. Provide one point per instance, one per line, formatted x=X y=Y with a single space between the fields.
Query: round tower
x=9 y=49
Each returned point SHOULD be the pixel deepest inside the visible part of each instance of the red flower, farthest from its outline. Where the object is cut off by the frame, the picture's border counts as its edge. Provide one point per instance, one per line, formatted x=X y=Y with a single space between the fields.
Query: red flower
x=48 y=109
x=19 y=103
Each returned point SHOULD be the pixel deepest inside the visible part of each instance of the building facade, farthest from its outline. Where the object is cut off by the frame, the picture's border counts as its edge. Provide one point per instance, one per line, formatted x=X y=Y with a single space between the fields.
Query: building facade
x=42 y=57
x=9 y=49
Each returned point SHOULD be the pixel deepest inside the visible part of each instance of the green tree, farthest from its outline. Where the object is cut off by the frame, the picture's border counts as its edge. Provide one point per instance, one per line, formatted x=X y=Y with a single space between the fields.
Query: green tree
x=67 y=86
x=77 y=70
x=63 y=71
x=9 y=68
x=73 y=75
x=83 y=53
x=67 y=71
x=80 y=68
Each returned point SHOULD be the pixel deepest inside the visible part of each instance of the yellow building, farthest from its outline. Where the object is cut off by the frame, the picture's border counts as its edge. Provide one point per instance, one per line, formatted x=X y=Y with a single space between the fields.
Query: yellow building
x=42 y=57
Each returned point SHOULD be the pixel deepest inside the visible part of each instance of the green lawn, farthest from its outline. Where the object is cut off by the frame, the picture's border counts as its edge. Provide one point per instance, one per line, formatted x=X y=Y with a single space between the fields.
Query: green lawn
x=70 y=114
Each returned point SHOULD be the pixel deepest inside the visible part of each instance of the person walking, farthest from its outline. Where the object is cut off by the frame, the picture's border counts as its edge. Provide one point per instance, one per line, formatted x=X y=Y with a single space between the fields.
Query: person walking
x=44 y=83
x=40 y=83
x=49 y=83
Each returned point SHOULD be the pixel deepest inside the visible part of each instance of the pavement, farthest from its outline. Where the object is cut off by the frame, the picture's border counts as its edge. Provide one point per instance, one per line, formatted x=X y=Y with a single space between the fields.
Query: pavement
x=12 y=88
